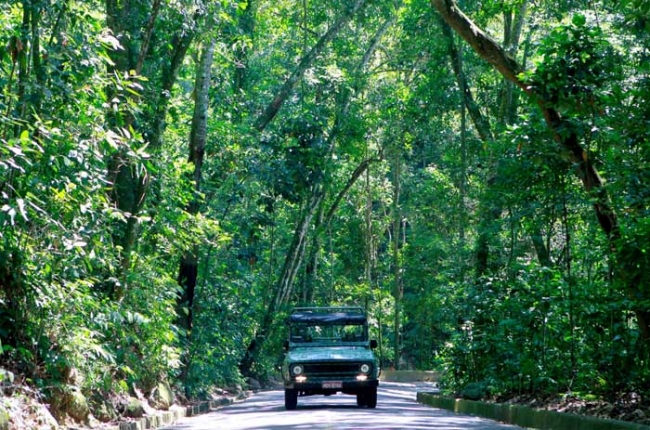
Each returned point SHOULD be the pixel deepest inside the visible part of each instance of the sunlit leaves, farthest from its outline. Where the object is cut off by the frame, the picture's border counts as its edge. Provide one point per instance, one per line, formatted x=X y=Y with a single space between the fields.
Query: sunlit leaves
x=58 y=236
x=577 y=68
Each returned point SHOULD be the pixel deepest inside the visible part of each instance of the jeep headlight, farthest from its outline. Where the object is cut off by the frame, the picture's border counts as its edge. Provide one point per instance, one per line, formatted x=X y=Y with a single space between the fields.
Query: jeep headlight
x=296 y=369
x=365 y=368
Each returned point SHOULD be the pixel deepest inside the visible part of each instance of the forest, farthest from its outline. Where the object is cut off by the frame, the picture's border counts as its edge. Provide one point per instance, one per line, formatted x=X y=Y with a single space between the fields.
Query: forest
x=176 y=175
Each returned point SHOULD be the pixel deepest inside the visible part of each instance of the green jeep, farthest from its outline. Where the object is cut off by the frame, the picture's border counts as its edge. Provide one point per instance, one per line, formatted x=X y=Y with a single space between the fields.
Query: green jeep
x=328 y=352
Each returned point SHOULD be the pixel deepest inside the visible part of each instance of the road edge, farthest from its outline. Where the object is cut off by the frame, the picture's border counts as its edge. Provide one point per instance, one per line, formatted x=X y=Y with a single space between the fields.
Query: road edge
x=524 y=416
x=168 y=418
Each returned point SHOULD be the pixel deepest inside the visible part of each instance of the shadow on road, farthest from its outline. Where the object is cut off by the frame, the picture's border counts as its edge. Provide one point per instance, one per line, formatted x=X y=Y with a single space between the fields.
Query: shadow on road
x=396 y=409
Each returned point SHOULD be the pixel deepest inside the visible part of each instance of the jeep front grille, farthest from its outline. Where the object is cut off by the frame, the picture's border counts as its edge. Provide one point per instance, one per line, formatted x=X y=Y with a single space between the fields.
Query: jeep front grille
x=329 y=370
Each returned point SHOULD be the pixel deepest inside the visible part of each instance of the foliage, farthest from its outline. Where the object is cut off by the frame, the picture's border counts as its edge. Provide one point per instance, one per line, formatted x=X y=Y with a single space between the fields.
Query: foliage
x=577 y=67
x=90 y=293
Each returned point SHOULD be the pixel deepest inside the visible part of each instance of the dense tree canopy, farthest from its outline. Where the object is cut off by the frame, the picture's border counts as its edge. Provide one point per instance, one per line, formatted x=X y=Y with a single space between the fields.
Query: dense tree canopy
x=174 y=176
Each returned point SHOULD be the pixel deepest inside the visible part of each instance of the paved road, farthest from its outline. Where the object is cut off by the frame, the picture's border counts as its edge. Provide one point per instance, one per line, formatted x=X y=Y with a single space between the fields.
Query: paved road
x=396 y=409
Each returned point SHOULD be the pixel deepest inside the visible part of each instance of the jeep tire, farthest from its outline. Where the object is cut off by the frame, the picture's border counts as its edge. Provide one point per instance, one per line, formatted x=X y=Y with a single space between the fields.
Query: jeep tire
x=367 y=397
x=371 y=397
x=290 y=399
x=361 y=399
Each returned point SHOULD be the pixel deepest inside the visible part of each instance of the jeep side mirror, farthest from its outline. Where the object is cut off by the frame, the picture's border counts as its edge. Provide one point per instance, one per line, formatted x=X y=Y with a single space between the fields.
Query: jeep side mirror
x=285 y=345
x=373 y=344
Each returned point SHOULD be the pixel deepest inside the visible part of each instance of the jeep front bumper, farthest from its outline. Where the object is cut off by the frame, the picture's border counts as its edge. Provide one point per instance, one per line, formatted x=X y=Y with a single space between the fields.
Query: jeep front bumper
x=323 y=386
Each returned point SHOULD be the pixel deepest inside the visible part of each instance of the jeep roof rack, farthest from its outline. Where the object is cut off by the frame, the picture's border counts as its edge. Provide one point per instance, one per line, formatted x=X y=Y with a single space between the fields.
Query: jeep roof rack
x=328 y=315
x=328 y=309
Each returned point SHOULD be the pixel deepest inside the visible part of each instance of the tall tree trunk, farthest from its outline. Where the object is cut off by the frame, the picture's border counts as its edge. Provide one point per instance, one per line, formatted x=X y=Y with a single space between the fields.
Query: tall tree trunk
x=462 y=175
x=188 y=270
x=131 y=182
x=593 y=184
x=246 y=29
x=128 y=181
x=370 y=261
x=27 y=49
x=488 y=212
x=189 y=264
x=511 y=38
x=309 y=293
x=398 y=286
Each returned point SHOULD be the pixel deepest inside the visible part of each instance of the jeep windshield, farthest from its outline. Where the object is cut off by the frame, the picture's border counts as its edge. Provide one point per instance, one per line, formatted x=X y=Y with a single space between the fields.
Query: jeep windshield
x=342 y=328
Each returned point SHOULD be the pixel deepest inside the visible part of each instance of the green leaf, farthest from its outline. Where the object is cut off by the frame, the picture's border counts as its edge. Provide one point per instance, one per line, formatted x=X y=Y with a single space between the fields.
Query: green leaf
x=579 y=20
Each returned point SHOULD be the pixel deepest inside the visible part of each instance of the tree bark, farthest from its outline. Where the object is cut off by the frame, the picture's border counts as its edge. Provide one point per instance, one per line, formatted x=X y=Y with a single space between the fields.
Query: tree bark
x=483 y=44
x=398 y=286
x=481 y=124
x=246 y=25
x=188 y=270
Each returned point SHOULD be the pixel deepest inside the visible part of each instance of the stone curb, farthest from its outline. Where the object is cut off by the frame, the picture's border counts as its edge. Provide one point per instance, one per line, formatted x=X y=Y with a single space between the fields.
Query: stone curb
x=409 y=376
x=524 y=416
x=167 y=418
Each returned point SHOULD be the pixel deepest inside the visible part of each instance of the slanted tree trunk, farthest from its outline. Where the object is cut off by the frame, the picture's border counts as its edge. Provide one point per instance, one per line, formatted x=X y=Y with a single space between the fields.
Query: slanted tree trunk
x=284 y=287
x=324 y=222
x=494 y=54
x=286 y=89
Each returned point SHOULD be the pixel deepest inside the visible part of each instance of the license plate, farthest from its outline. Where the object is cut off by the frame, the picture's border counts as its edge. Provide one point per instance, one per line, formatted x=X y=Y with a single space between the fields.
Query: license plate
x=332 y=384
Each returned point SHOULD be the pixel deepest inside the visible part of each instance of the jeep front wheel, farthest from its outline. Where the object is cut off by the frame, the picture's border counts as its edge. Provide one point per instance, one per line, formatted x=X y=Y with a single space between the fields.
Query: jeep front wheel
x=290 y=399
x=367 y=397
x=371 y=397
x=361 y=399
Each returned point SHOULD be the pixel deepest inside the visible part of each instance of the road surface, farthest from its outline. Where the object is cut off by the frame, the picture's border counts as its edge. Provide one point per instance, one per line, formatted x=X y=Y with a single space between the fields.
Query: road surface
x=396 y=409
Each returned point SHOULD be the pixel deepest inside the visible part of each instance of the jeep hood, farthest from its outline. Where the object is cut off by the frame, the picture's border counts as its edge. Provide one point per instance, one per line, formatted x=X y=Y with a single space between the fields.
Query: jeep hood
x=330 y=353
